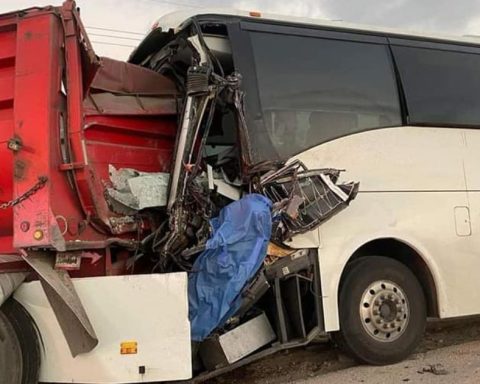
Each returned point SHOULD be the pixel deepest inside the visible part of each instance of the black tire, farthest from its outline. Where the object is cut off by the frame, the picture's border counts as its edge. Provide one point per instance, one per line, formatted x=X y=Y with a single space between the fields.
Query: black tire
x=18 y=335
x=378 y=293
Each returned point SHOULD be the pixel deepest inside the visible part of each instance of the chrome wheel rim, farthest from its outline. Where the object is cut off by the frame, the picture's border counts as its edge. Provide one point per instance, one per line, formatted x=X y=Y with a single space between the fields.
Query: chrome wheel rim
x=384 y=311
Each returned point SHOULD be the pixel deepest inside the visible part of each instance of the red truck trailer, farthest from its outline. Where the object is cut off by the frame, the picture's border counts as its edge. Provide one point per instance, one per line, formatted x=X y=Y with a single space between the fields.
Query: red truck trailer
x=82 y=111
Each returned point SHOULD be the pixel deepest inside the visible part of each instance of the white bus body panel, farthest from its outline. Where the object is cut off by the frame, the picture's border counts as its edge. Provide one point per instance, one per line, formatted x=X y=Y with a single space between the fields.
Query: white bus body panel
x=149 y=309
x=413 y=188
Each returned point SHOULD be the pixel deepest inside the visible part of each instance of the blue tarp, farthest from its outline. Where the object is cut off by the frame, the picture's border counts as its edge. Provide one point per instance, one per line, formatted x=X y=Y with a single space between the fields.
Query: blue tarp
x=232 y=256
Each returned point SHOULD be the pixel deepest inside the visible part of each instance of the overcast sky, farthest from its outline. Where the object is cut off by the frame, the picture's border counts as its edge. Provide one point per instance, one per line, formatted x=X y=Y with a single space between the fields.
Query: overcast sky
x=136 y=16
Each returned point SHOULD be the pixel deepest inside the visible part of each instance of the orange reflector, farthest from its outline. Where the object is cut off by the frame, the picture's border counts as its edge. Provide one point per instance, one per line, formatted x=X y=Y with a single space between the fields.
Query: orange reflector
x=255 y=14
x=128 y=348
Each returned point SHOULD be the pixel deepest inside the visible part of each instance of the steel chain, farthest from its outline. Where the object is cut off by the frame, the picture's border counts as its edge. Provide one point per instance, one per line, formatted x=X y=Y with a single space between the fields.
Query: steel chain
x=42 y=180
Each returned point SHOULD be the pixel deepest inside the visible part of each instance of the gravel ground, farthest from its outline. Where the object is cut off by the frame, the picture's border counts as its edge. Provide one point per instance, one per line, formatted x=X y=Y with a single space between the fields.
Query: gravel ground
x=455 y=345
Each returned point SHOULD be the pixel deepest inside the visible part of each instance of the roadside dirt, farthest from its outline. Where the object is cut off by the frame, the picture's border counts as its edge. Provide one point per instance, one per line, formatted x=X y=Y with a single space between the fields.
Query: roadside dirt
x=322 y=357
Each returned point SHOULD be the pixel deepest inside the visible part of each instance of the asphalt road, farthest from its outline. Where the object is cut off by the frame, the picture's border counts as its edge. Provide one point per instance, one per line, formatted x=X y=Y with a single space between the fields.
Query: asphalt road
x=459 y=364
x=449 y=353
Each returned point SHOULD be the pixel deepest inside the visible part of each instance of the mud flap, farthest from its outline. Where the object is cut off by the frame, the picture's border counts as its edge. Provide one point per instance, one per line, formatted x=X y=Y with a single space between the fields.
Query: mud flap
x=66 y=304
x=9 y=282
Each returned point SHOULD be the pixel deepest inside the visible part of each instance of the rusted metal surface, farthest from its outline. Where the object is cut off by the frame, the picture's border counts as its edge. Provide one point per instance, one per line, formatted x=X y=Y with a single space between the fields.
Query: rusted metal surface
x=42 y=180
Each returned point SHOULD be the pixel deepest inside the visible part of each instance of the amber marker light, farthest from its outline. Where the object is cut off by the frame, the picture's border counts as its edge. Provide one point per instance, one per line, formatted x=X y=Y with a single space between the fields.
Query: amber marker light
x=128 y=348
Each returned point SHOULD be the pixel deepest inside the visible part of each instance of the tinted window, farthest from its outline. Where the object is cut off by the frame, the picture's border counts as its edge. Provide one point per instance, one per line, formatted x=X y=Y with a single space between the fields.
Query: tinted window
x=441 y=87
x=313 y=90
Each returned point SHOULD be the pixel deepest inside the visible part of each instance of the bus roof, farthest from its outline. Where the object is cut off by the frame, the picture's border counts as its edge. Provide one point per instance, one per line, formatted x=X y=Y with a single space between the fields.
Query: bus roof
x=175 y=21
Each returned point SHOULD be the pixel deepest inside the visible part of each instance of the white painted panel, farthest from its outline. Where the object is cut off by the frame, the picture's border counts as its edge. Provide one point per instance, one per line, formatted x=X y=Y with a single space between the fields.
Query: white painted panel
x=304 y=240
x=423 y=220
x=396 y=159
x=472 y=167
x=411 y=180
x=149 y=309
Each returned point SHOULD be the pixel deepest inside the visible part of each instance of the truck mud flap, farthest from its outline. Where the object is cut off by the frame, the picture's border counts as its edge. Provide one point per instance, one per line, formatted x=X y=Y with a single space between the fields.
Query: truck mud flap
x=66 y=304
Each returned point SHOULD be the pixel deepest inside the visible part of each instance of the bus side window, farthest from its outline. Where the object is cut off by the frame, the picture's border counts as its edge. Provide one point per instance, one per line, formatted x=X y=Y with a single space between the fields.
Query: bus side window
x=344 y=87
x=441 y=86
x=327 y=124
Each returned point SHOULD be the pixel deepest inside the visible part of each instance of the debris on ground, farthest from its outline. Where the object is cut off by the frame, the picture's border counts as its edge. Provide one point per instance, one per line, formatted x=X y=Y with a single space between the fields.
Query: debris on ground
x=436 y=369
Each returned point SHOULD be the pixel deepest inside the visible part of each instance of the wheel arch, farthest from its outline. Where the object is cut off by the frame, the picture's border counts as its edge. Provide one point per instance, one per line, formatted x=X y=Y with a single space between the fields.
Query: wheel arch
x=409 y=256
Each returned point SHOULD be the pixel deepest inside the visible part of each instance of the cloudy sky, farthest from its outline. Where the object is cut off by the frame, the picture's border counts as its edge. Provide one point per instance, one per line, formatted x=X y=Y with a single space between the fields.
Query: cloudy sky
x=134 y=17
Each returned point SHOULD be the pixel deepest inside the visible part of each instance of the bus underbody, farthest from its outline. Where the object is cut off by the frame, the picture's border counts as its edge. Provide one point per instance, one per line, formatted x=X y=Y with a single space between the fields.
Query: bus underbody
x=149 y=239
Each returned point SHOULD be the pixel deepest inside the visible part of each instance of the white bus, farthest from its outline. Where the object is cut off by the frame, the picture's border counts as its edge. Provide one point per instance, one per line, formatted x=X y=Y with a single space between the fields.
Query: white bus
x=397 y=112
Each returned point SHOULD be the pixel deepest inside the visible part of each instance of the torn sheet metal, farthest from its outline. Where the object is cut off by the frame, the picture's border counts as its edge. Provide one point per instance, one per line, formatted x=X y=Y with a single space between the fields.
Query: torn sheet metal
x=119 y=77
x=233 y=255
x=120 y=88
x=303 y=199
x=138 y=190
x=9 y=282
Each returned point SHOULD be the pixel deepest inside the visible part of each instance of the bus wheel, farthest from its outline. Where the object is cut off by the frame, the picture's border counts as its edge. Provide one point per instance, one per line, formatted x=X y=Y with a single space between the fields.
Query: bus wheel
x=19 y=346
x=382 y=311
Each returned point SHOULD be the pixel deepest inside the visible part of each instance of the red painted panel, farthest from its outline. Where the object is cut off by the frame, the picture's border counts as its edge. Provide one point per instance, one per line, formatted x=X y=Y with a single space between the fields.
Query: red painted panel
x=8 y=43
x=6 y=82
x=35 y=87
x=145 y=144
x=7 y=72
x=70 y=208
